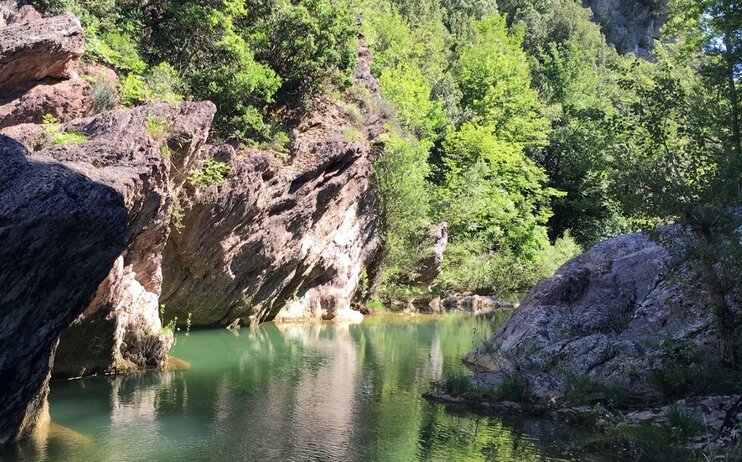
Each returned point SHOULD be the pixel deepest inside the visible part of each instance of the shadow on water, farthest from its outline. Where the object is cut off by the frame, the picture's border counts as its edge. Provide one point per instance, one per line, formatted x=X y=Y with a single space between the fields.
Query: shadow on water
x=292 y=392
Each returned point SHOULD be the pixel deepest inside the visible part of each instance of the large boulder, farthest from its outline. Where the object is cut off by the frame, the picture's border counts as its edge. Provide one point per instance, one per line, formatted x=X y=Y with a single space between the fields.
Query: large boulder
x=606 y=316
x=60 y=232
x=38 y=67
x=34 y=50
x=284 y=237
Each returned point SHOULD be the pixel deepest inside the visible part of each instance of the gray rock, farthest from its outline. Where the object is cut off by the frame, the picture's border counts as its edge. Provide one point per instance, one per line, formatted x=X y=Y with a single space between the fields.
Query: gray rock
x=602 y=316
x=630 y=25
x=60 y=232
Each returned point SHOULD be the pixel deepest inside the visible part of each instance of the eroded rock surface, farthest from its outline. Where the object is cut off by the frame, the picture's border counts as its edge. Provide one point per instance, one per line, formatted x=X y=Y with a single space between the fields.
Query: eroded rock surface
x=280 y=241
x=604 y=316
x=121 y=328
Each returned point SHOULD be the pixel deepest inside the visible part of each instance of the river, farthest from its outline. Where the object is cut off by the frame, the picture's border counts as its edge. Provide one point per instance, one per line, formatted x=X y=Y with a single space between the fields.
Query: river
x=320 y=392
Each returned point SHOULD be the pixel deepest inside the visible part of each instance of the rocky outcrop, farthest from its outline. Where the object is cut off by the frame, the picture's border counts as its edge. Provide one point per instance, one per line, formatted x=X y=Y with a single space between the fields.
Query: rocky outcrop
x=607 y=317
x=38 y=67
x=60 y=231
x=121 y=328
x=275 y=241
x=42 y=48
x=630 y=25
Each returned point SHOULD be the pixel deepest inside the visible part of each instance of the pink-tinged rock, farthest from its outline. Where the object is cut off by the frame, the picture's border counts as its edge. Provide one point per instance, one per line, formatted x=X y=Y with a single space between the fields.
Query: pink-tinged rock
x=35 y=50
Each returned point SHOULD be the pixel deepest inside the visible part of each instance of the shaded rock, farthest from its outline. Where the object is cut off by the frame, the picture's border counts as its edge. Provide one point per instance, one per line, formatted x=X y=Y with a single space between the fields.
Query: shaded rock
x=603 y=317
x=286 y=242
x=121 y=328
x=65 y=100
x=60 y=232
x=31 y=51
x=629 y=25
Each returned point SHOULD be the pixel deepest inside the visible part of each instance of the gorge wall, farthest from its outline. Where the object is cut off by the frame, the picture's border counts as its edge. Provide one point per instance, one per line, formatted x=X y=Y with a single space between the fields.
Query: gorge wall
x=286 y=237
x=101 y=224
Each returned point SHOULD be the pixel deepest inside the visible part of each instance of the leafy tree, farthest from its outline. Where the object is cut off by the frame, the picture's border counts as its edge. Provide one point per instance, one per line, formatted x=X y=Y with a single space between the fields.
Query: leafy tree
x=494 y=77
x=303 y=41
x=493 y=193
x=406 y=87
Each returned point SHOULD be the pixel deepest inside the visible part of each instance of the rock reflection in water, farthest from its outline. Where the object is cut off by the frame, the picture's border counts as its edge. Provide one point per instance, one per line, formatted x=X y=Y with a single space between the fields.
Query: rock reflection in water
x=292 y=392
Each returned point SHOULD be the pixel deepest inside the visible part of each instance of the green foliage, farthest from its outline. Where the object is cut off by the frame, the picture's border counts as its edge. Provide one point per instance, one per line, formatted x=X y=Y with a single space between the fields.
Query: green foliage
x=468 y=268
x=55 y=135
x=408 y=89
x=304 y=41
x=400 y=179
x=492 y=192
x=494 y=77
x=157 y=127
x=163 y=83
x=212 y=172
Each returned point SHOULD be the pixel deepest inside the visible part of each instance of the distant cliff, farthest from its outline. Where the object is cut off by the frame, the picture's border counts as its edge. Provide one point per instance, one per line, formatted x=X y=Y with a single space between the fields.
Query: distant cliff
x=632 y=26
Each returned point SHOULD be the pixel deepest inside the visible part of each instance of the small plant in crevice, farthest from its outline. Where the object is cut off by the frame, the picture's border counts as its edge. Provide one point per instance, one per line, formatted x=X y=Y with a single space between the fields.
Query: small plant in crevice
x=157 y=127
x=211 y=173
x=189 y=322
x=105 y=95
x=57 y=137
x=355 y=115
x=352 y=134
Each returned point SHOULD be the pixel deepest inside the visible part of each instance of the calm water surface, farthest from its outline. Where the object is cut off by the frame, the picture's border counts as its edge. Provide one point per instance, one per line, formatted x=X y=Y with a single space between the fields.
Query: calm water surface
x=295 y=392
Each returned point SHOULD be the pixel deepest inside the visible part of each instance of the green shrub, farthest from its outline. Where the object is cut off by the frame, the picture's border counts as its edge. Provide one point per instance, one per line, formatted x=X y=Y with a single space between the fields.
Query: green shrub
x=133 y=90
x=355 y=115
x=352 y=134
x=163 y=83
x=211 y=173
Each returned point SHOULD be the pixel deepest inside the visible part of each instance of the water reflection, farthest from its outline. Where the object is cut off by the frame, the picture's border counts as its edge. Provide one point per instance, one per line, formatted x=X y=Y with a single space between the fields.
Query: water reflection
x=292 y=392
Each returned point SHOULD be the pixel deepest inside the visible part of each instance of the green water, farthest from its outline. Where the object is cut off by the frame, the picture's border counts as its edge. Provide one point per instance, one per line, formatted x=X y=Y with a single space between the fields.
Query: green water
x=297 y=392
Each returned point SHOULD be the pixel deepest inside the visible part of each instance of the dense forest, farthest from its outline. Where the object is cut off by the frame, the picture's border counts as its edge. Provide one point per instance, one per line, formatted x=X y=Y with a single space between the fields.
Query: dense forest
x=514 y=122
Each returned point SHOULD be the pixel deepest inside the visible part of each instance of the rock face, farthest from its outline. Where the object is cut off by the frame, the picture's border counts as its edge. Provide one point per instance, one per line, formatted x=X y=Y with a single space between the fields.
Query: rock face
x=121 y=328
x=605 y=316
x=60 y=231
x=83 y=219
x=288 y=242
x=630 y=25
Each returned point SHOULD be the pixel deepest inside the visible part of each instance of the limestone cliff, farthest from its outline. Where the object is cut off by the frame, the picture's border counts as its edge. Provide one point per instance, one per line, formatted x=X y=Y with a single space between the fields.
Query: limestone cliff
x=287 y=236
